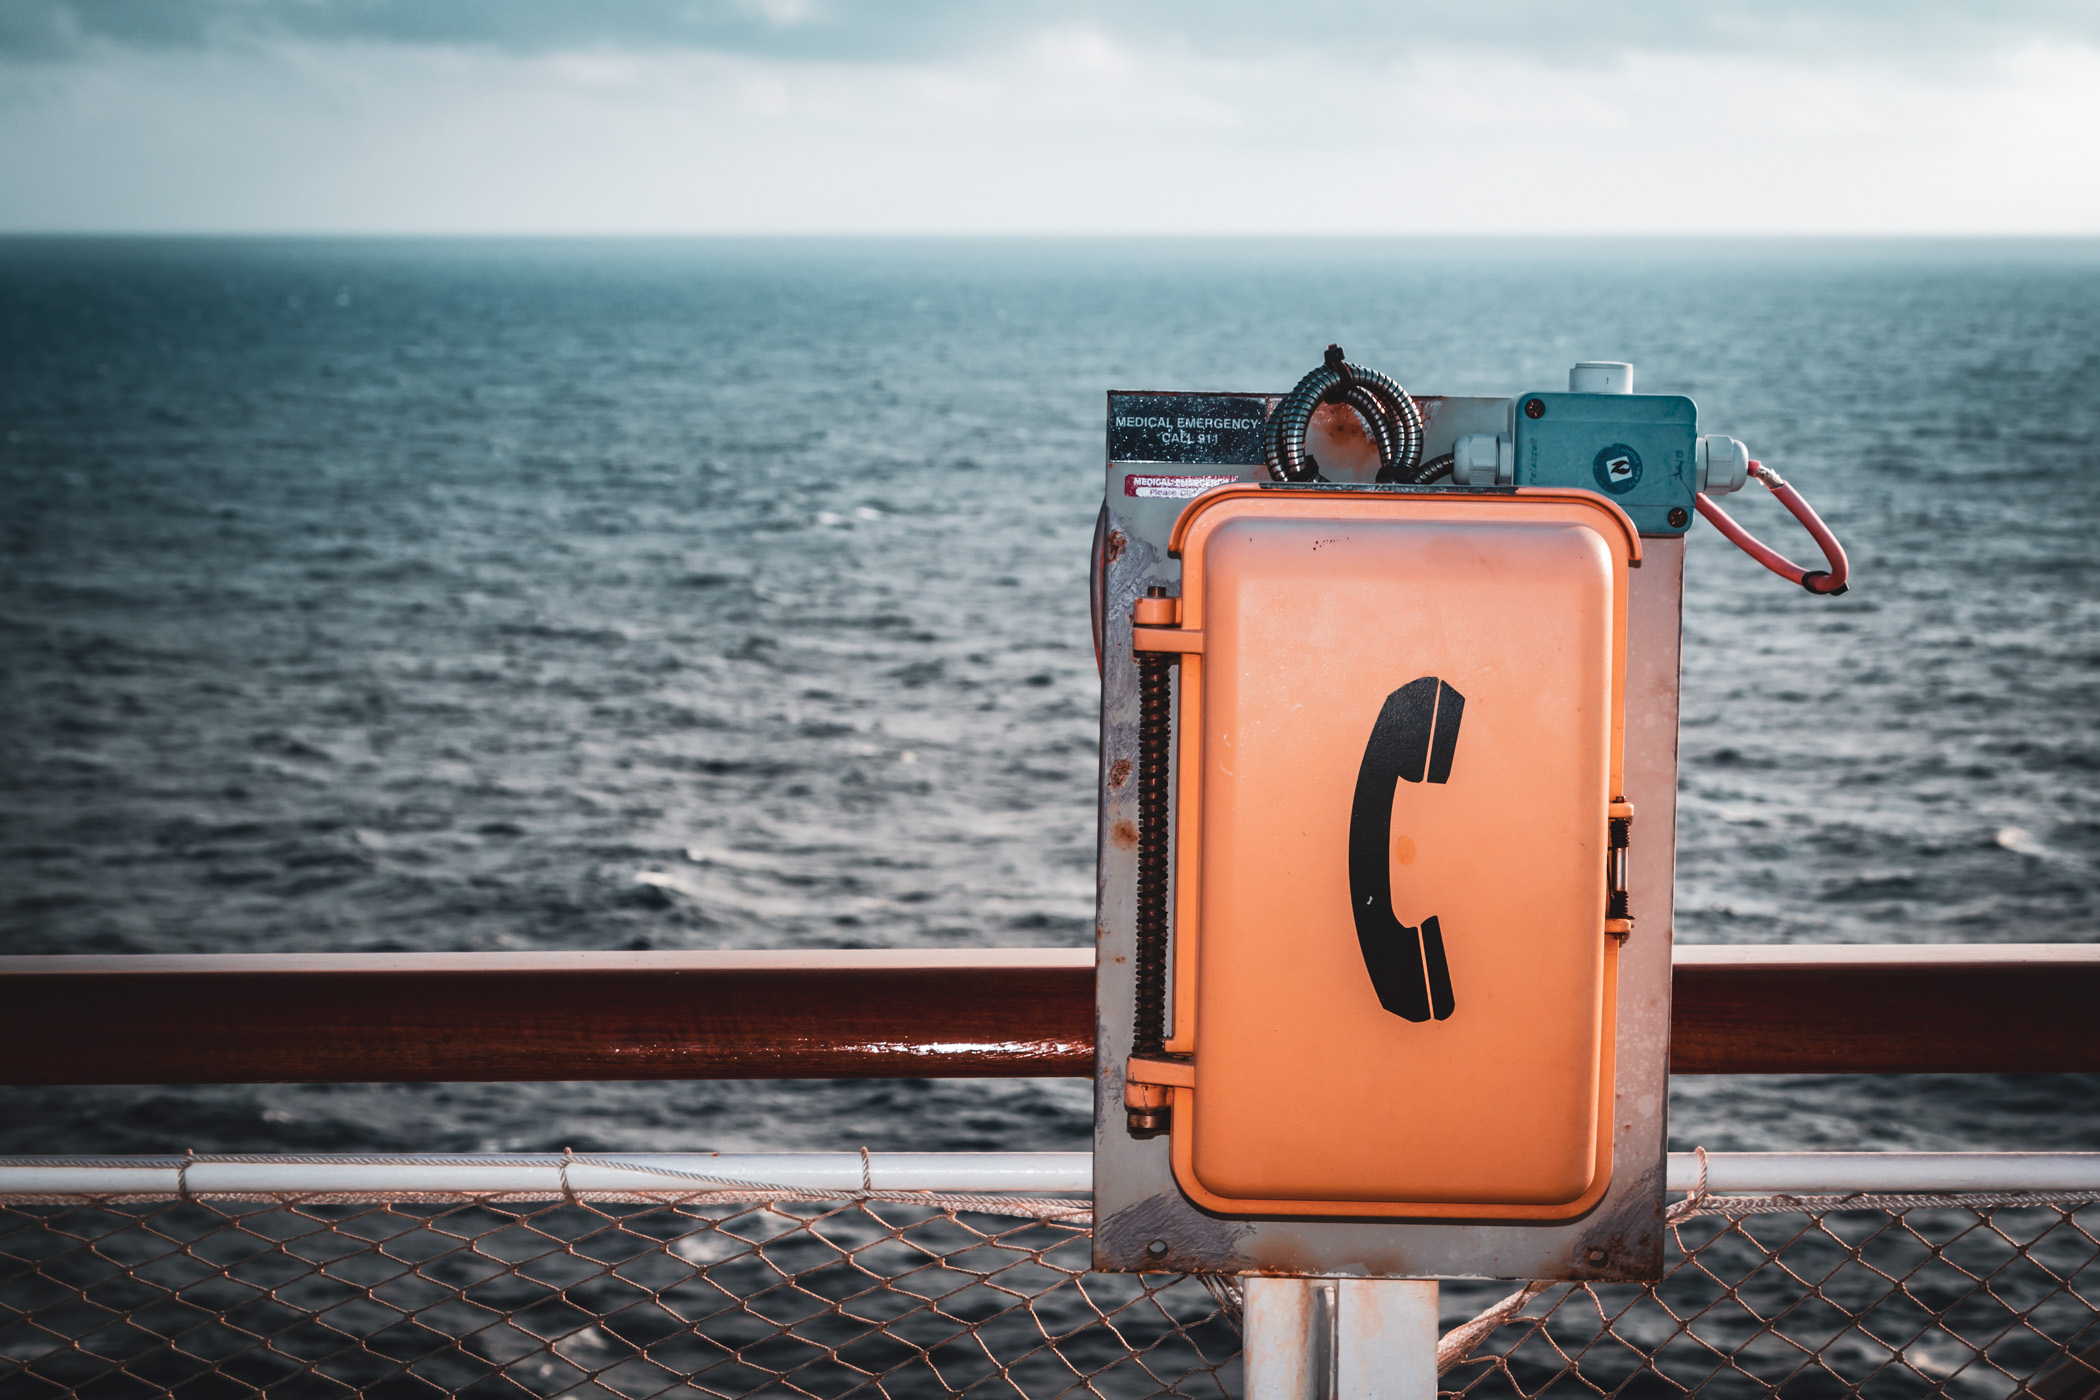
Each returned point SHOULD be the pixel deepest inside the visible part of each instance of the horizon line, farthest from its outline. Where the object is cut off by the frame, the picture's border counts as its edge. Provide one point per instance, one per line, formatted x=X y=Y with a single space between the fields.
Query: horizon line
x=1082 y=235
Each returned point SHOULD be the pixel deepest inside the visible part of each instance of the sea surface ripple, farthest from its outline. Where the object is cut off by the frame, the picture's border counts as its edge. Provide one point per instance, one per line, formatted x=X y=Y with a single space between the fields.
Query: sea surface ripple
x=397 y=595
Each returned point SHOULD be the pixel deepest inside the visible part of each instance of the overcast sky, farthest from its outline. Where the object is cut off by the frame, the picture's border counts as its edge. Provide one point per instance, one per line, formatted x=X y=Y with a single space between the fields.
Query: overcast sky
x=941 y=116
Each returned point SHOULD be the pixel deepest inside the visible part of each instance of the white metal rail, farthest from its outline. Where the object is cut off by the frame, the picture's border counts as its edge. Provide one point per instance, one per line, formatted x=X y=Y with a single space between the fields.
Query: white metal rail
x=1007 y=1173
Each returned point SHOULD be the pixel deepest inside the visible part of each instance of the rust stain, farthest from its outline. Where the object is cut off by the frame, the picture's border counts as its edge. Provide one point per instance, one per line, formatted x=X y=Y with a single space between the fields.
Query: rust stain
x=1340 y=423
x=1114 y=549
x=1626 y=1243
x=1119 y=772
x=1124 y=834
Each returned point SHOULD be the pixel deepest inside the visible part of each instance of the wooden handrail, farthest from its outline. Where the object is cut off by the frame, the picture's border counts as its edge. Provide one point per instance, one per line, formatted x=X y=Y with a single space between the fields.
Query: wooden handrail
x=1834 y=1009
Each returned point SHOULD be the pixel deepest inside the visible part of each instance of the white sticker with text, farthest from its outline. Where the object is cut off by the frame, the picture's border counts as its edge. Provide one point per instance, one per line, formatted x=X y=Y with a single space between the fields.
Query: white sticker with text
x=1178 y=488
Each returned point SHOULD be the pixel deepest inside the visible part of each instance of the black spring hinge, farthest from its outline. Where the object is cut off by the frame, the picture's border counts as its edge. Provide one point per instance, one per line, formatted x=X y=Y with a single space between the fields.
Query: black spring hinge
x=1618 y=911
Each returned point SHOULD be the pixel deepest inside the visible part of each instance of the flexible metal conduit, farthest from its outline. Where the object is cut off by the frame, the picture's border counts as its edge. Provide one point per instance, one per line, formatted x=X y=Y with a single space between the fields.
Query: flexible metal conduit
x=1390 y=418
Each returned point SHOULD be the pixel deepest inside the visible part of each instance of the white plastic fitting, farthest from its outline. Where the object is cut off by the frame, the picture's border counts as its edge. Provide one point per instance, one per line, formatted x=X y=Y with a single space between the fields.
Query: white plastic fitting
x=1483 y=459
x=1601 y=377
x=1724 y=464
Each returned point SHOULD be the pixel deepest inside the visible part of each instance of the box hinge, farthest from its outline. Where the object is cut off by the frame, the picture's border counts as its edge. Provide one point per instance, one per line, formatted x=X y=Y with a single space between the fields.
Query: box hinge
x=1172 y=1071
x=1149 y=1082
x=1156 y=625
x=1618 y=914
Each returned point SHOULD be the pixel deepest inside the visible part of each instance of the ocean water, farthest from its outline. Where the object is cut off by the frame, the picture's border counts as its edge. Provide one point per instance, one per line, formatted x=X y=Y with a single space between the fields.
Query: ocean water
x=543 y=595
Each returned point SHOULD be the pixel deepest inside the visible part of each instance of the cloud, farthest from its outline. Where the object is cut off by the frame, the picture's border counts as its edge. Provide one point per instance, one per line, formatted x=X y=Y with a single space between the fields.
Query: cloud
x=926 y=116
x=1891 y=32
x=811 y=30
x=1065 y=131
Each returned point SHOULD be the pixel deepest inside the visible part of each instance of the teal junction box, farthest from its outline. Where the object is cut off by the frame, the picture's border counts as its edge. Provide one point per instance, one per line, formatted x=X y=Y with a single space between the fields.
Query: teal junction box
x=1638 y=450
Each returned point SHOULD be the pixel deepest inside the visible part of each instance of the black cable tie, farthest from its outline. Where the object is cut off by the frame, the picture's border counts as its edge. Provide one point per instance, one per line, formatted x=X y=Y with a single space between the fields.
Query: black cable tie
x=1338 y=361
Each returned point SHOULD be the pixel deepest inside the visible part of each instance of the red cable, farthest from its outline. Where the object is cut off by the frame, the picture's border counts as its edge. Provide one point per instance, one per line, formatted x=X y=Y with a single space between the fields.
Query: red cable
x=1822 y=581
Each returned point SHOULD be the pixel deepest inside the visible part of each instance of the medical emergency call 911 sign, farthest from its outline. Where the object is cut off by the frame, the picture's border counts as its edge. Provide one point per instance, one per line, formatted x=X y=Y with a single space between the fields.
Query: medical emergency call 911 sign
x=1224 y=428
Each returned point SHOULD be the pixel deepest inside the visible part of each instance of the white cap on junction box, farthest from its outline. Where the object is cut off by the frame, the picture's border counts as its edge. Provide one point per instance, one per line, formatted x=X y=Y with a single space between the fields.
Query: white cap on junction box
x=1601 y=377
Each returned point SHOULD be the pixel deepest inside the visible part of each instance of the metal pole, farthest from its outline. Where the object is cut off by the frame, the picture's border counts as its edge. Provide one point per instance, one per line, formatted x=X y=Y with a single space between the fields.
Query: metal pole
x=1288 y=1333
x=1385 y=1339
x=1340 y=1339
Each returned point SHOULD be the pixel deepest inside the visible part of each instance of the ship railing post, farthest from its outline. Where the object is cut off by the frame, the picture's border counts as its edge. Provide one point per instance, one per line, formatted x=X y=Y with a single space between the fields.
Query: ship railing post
x=1340 y=1339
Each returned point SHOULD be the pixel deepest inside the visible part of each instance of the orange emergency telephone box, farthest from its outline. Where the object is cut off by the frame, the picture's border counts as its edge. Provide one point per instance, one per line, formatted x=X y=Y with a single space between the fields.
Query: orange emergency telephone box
x=1397 y=855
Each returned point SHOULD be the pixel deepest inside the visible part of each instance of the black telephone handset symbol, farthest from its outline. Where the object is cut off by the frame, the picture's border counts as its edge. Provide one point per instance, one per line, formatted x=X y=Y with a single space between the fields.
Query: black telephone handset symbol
x=1414 y=738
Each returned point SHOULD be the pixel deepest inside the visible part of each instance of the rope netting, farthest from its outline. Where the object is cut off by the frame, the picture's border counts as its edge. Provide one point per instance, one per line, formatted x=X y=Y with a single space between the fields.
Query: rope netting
x=1983 y=1295
x=692 y=1295
x=748 y=1292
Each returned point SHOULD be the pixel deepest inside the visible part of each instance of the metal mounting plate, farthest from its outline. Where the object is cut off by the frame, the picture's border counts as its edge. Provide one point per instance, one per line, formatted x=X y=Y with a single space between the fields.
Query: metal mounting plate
x=1143 y=1220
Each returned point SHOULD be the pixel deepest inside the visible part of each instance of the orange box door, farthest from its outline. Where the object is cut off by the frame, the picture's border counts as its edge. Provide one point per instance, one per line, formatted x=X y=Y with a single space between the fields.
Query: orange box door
x=1399 y=742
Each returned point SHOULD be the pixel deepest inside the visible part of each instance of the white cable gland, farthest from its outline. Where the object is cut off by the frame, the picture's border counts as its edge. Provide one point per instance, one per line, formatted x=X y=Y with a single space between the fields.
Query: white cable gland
x=1483 y=459
x=1724 y=464
x=1601 y=377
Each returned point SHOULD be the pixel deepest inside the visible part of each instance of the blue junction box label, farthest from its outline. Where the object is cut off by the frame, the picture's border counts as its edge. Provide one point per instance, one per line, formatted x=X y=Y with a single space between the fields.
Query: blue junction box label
x=1617 y=469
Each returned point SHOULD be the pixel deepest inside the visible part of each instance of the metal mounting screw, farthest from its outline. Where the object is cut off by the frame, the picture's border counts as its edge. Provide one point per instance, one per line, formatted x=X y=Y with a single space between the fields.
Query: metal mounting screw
x=1156 y=1248
x=1534 y=408
x=1598 y=1257
x=1679 y=517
